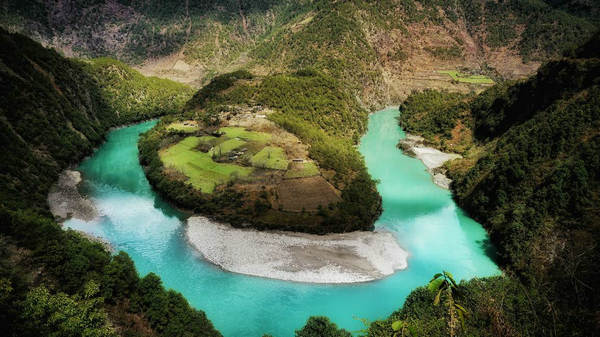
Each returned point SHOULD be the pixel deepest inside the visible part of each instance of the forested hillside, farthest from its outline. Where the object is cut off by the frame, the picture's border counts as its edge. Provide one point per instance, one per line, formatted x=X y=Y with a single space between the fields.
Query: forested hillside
x=538 y=187
x=311 y=105
x=54 y=111
x=379 y=49
x=133 y=97
x=531 y=177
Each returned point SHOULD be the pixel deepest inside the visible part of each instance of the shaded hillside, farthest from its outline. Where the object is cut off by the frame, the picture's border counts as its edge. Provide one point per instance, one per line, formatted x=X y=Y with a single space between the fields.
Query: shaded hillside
x=52 y=113
x=138 y=30
x=531 y=176
x=537 y=188
x=380 y=49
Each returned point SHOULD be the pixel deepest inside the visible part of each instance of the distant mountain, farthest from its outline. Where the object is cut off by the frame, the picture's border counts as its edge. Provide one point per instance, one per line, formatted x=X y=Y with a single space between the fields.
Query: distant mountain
x=382 y=49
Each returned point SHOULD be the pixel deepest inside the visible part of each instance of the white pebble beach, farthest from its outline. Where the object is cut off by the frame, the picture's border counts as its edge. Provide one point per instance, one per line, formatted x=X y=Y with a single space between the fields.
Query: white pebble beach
x=333 y=258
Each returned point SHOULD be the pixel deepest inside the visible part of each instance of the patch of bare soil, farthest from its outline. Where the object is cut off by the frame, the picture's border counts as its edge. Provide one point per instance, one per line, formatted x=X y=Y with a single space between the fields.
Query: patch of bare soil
x=295 y=195
x=173 y=67
x=409 y=61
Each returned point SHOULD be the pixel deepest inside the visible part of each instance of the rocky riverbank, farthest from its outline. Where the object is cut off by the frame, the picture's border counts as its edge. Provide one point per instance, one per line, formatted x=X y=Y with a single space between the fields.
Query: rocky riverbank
x=433 y=159
x=66 y=202
x=333 y=258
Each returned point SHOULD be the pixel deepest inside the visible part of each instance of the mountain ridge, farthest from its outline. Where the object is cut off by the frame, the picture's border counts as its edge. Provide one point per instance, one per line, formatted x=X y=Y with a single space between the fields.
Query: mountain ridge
x=382 y=50
x=530 y=176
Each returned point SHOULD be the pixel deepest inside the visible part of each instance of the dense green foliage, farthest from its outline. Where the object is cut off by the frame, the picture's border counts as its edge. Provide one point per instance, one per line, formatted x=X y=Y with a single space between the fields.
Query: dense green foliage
x=535 y=185
x=538 y=188
x=52 y=113
x=416 y=117
x=318 y=326
x=64 y=315
x=209 y=100
x=309 y=104
x=132 y=96
x=497 y=306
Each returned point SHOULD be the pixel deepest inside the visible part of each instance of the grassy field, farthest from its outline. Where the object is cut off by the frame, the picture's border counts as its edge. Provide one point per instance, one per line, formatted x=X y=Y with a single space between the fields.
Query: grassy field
x=208 y=139
x=308 y=169
x=199 y=166
x=226 y=147
x=238 y=132
x=203 y=173
x=475 y=79
x=179 y=126
x=270 y=157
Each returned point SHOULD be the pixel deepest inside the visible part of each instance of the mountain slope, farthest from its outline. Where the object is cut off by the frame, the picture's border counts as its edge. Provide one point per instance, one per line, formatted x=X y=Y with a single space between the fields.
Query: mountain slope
x=381 y=50
x=531 y=176
x=537 y=189
x=54 y=281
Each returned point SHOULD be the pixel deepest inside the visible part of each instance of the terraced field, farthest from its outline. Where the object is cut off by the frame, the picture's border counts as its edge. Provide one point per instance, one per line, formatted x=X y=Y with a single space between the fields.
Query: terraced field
x=465 y=78
x=270 y=157
x=239 y=132
x=181 y=126
x=302 y=170
x=202 y=171
x=234 y=155
x=226 y=147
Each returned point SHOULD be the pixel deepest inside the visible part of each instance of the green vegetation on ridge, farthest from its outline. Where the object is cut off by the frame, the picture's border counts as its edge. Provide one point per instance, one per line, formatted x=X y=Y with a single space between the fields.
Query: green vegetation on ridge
x=131 y=95
x=358 y=42
x=270 y=157
x=309 y=104
x=460 y=77
x=238 y=132
x=54 y=281
x=533 y=181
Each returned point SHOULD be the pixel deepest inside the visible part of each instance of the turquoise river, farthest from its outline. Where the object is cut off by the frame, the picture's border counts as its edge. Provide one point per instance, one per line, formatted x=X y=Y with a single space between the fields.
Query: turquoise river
x=426 y=221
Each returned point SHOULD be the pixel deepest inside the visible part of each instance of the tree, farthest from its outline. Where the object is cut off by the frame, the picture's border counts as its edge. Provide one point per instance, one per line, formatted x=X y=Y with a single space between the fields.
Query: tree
x=120 y=277
x=443 y=284
x=63 y=315
x=320 y=326
x=402 y=329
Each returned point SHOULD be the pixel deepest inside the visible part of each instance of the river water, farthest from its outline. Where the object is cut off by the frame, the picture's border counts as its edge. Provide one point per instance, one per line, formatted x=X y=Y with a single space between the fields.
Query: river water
x=426 y=221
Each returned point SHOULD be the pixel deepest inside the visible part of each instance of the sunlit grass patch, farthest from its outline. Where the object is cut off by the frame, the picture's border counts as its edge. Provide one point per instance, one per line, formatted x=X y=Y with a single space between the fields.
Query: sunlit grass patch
x=226 y=147
x=207 y=139
x=203 y=173
x=306 y=169
x=239 y=132
x=465 y=78
x=181 y=126
x=270 y=157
